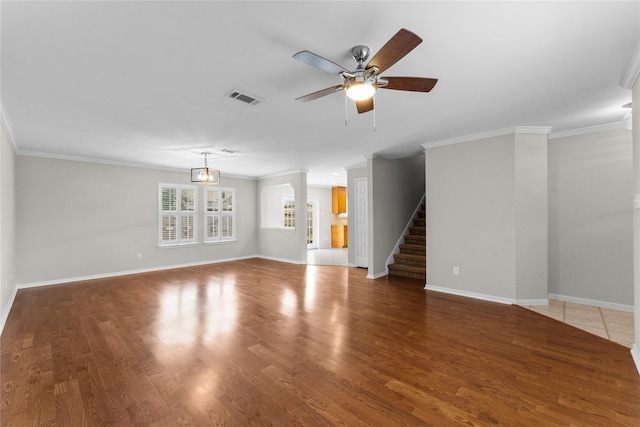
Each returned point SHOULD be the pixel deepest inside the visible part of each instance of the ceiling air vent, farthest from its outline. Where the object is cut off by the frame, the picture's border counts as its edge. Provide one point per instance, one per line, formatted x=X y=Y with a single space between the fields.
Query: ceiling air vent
x=244 y=97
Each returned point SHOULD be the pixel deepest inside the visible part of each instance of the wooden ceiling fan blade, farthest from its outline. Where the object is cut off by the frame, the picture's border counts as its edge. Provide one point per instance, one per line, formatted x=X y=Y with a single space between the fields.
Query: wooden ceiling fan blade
x=413 y=84
x=364 y=105
x=403 y=42
x=319 y=62
x=320 y=93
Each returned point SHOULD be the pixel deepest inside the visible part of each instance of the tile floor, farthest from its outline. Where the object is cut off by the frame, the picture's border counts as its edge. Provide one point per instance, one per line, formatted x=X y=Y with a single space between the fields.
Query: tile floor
x=333 y=256
x=615 y=325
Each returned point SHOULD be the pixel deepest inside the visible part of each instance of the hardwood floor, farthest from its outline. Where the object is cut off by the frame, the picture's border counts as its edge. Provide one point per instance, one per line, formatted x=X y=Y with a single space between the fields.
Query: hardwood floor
x=259 y=342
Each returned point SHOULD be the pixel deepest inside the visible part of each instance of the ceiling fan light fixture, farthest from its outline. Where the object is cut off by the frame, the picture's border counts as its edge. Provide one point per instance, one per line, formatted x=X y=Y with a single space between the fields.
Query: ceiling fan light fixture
x=359 y=91
x=362 y=83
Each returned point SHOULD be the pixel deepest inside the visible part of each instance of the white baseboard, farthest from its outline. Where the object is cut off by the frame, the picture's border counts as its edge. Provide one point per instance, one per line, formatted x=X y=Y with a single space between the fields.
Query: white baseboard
x=485 y=297
x=596 y=303
x=468 y=294
x=7 y=308
x=532 y=301
x=635 y=354
x=377 y=276
x=503 y=300
x=124 y=273
x=272 y=258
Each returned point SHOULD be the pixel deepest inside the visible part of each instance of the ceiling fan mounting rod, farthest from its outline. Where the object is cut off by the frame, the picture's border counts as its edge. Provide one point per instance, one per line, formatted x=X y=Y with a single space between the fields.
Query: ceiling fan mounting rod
x=360 y=53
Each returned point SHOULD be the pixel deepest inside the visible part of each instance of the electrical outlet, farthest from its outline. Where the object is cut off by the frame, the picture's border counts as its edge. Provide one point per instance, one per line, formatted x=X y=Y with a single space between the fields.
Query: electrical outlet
x=456 y=270
x=138 y=255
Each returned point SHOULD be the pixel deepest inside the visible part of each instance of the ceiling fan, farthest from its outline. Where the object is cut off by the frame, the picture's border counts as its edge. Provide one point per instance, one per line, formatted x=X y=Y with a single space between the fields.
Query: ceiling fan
x=362 y=83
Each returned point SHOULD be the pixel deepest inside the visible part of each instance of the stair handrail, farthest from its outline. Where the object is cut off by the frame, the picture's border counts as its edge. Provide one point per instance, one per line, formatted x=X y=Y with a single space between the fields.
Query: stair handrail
x=396 y=248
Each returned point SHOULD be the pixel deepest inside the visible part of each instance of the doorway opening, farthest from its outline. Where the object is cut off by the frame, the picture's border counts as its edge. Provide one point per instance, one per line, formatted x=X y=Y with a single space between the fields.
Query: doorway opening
x=319 y=250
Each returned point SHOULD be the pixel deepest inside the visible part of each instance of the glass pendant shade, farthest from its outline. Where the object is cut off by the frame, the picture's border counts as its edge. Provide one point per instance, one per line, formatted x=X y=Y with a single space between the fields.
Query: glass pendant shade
x=205 y=175
x=361 y=91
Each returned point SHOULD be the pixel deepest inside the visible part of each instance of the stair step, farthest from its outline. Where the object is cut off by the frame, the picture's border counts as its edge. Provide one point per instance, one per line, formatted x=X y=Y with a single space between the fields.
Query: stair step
x=410 y=259
x=408 y=271
x=408 y=248
x=415 y=239
x=420 y=231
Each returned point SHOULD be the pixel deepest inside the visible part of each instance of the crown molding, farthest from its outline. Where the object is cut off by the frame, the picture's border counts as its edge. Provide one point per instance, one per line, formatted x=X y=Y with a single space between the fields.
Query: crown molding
x=359 y=165
x=586 y=130
x=54 y=156
x=633 y=70
x=490 y=134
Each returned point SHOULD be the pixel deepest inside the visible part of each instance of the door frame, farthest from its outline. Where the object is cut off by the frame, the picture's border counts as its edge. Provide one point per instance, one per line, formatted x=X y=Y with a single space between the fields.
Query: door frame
x=314 y=217
x=361 y=200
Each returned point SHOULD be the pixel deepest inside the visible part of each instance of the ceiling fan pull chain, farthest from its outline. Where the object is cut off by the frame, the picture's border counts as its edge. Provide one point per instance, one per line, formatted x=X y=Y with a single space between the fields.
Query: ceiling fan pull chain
x=346 y=109
x=374 y=114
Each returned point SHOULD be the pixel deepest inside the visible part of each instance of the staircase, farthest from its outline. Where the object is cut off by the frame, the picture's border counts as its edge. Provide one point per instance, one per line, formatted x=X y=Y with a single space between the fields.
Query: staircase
x=412 y=259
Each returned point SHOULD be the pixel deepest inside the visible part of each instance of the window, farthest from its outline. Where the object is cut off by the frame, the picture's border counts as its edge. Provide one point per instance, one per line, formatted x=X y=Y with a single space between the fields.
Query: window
x=289 y=212
x=272 y=205
x=219 y=214
x=177 y=214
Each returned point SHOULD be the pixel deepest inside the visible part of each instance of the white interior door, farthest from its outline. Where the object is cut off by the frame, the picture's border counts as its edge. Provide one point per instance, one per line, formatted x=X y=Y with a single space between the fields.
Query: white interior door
x=362 y=257
x=312 y=223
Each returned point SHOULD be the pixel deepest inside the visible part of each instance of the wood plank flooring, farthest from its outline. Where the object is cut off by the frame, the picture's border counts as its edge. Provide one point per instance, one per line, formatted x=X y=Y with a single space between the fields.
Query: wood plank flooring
x=258 y=342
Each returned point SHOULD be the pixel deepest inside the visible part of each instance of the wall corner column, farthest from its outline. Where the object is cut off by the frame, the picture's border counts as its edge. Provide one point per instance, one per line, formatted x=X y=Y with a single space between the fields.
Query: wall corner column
x=635 y=350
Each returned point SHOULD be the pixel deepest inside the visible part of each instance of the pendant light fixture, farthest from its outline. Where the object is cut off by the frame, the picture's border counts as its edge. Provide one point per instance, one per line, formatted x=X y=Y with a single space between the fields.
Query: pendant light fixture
x=205 y=175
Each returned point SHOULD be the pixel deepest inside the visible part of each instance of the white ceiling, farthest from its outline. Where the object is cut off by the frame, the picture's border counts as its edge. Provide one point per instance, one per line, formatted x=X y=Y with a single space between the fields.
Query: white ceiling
x=145 y=82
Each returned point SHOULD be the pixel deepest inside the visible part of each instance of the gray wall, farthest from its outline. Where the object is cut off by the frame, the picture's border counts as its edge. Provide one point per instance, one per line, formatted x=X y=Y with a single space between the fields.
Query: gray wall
x=323 y=194
x=531 y=216
x=636 y=222
x=470 y=204
x=591 y=217
x=352 y=175
x=395 y=188
x=7 y=224
x=279 y=243
x=524 y=218
x=78 y=219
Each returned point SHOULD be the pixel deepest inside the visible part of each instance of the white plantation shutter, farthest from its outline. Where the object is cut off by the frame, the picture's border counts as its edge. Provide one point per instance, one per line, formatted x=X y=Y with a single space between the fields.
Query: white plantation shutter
x=177 y=214
x=188 y=214
x=213 y=231
x=219 y=214
x=187 y=228
x=168 y=215
x=168 y=231
x=227 y=226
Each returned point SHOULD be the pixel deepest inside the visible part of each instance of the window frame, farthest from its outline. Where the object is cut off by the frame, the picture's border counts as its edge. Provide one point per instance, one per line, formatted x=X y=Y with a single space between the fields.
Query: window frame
x=179 y=214
x=220 y=214
x=289 y=212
